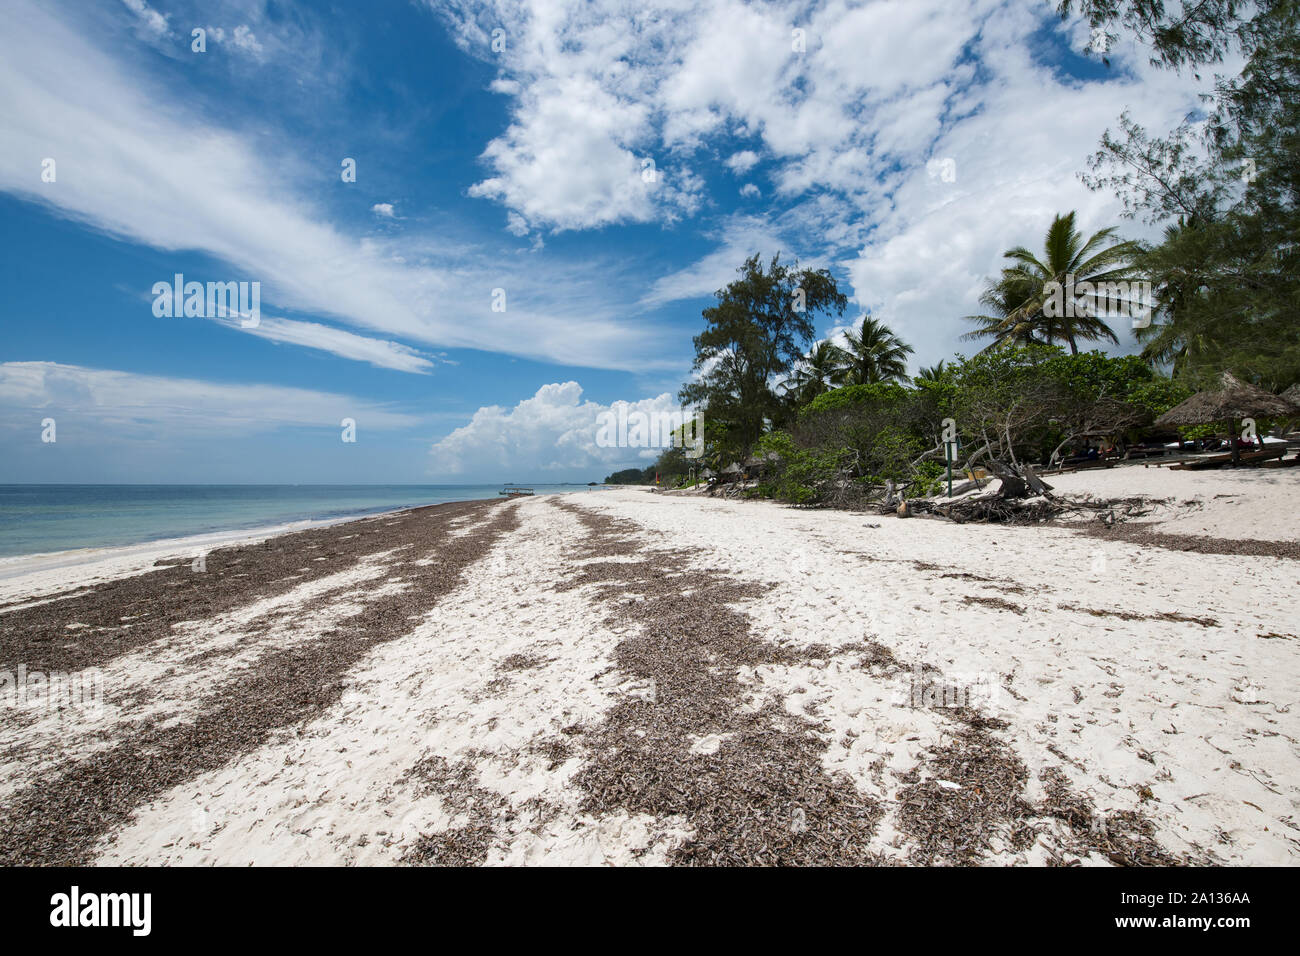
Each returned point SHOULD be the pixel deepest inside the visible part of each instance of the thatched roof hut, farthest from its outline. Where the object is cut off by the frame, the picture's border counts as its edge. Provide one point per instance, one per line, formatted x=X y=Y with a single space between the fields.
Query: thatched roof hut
x=1232 y=400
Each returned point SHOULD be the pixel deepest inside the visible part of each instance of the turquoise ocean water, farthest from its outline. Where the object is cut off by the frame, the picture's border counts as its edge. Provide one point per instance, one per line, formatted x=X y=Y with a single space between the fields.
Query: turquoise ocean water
x=40 y=518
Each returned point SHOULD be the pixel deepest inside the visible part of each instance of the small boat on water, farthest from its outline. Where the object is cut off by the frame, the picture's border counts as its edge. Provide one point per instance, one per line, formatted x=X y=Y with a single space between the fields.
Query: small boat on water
x=514 y=491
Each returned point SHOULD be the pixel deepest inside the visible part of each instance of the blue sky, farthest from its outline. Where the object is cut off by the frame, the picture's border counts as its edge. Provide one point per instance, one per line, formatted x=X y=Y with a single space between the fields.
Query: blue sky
x=518 y=168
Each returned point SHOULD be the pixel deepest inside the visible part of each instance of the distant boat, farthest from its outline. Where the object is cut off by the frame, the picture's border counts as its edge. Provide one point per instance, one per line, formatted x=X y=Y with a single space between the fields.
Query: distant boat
x=514 y=491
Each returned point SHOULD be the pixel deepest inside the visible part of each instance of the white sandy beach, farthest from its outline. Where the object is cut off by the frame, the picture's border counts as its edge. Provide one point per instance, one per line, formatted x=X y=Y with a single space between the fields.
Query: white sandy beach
x=1155 y=685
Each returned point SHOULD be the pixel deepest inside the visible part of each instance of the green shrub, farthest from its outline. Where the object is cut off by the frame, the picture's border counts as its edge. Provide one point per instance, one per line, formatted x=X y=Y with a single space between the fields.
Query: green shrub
x=883 y=393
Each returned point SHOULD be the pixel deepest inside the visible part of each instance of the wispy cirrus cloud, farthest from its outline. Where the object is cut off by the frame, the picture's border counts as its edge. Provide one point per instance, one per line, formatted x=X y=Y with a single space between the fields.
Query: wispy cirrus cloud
x=151 y=21
x=145 y=169
x=134 y=405
x=740 y=237
x=381 y=353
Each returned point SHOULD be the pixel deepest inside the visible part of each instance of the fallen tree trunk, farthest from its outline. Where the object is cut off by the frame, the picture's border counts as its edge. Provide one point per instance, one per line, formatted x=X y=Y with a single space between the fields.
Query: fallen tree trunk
x=1013 y=486
x=1036 y=484
x=1018 y=482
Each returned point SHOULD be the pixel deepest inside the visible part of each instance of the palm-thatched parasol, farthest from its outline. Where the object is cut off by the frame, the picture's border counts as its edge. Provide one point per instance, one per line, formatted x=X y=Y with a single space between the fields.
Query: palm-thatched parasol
x=1232 y=400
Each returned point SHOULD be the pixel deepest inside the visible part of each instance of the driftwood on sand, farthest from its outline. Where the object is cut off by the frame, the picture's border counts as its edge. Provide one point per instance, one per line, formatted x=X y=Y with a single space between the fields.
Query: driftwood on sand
x=1022 y=497
x=994 y=509
x=1019 y=482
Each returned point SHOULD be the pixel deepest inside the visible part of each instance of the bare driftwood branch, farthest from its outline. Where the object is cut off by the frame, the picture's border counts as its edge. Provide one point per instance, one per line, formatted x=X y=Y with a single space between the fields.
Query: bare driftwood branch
x=994 y=509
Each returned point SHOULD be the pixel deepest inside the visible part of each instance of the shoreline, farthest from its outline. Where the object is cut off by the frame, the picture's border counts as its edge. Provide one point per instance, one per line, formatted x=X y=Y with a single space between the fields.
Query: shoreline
x=26 y=578
x=223 y=533
x=30 y=575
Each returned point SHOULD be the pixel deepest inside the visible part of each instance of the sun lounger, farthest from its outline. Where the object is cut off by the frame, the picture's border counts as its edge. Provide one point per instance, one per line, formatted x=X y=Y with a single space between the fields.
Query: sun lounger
x=1260 y=457
x=1244 y=458
x=1198 y=464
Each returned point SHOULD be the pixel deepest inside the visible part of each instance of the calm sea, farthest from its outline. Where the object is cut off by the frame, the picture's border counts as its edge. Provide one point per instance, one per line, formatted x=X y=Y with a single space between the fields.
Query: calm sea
x=39 y=518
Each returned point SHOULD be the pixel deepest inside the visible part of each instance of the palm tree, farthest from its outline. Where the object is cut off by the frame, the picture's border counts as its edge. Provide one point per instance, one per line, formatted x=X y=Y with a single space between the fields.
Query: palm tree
x=819 y=371
x=875 y=354
x=1008 y=322
x=1019 y=297
x=935 y=373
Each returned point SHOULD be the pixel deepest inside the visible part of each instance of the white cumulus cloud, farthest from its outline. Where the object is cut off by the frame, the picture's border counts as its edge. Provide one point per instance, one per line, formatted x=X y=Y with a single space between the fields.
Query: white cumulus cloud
x=552 y=434
x=742 y=162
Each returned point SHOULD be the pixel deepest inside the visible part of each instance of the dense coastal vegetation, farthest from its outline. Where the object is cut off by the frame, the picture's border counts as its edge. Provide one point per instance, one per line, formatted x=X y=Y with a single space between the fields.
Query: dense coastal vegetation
x=632 y=476
x=837 y=420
